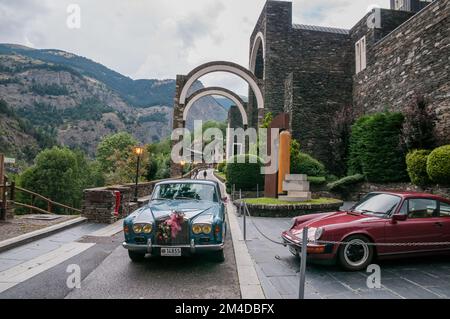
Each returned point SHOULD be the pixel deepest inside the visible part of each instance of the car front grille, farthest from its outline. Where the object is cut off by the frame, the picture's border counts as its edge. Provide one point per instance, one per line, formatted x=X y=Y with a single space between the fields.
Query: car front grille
x=181 y=239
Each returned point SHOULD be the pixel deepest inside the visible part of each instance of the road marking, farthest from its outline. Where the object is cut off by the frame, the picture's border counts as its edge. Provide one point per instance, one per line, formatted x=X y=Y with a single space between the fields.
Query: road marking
x=20 y=273
x=110 y=230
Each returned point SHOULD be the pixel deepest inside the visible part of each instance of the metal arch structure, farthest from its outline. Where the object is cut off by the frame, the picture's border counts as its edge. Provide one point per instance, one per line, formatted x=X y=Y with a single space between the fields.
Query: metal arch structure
x=184 y=99
x=222 y=66
x=216 y=91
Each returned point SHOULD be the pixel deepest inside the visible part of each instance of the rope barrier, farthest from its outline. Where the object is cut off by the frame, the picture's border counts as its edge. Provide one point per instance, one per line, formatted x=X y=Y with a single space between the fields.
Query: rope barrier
x=409 y=244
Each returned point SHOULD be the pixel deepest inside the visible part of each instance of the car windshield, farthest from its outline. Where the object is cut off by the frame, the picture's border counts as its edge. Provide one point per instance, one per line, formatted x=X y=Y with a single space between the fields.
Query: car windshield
x=190 y=191
x=378 y=204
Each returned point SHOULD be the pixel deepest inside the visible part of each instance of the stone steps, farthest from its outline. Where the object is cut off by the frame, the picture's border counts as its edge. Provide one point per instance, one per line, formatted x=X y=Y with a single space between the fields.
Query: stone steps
x=300 y=186
x=296 y=177
x=297 y=188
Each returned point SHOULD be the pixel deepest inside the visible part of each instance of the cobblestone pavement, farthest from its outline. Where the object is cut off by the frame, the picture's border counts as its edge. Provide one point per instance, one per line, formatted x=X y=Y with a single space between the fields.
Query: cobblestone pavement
x=425 y=278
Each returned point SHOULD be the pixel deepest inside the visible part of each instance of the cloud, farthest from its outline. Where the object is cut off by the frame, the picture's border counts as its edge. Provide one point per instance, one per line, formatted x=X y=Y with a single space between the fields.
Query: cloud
x=160 y=38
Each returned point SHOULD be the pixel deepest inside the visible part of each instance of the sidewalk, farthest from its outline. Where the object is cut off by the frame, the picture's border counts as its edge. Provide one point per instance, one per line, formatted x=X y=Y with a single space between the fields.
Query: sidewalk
x=248 y=278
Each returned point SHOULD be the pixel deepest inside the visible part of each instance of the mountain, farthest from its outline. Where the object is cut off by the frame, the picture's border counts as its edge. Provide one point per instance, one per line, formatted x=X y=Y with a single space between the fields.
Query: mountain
x=139 y=93
x=53 y=95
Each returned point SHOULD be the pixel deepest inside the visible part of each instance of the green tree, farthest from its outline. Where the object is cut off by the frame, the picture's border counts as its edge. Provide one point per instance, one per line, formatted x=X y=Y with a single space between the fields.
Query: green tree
x=59 y=174
x=107 y=150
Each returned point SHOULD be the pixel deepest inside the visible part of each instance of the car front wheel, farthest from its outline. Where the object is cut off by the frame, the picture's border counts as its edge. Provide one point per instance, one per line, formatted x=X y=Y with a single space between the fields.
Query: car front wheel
x=356 y=254
x=135 y=256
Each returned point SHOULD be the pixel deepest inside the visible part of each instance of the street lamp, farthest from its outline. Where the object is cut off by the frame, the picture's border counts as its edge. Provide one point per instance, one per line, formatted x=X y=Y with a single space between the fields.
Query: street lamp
x=138 y=150
x=182 y=163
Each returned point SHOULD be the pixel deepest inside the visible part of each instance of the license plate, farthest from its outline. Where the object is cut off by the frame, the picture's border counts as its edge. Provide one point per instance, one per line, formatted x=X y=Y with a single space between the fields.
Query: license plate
x=171 y=252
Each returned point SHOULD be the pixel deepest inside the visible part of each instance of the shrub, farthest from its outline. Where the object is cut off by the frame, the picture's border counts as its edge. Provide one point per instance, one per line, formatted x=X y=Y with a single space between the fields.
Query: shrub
x=244 y=174
x=438 y=165
x=341 y=186
x=418 y=128
x=222 y=167
x=375 y=148
x=416 y=163
x=305 y=164
x=302 y=163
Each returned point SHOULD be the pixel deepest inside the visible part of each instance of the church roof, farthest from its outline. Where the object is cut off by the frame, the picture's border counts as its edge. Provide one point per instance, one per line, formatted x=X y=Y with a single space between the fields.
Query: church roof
x=320 y=29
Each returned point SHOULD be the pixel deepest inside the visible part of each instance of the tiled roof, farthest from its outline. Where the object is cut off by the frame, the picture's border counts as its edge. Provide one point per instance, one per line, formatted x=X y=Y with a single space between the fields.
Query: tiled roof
x=320 y=29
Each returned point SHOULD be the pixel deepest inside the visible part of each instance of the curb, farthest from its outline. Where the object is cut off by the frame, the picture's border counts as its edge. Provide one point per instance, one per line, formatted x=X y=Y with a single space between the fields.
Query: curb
x=38 y=234
x=249 y=282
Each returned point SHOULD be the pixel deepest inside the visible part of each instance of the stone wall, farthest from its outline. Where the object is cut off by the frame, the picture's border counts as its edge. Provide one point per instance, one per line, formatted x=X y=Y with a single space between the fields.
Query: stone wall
x=414 y=59
x=99 y=203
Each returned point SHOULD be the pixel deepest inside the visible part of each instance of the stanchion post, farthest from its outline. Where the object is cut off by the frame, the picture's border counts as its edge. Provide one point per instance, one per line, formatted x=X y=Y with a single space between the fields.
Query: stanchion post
x=301 y=290
x=245 y=221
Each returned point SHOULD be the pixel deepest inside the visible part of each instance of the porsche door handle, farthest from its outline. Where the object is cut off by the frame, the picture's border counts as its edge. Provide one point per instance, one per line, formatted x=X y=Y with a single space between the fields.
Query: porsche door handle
x=439 y=224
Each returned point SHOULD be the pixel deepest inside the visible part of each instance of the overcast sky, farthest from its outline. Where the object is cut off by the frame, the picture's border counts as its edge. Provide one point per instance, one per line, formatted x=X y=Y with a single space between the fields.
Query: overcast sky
x=160 y=38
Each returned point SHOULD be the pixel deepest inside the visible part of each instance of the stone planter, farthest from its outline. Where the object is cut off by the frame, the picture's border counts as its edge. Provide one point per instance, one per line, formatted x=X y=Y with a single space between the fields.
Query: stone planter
x=290 y=210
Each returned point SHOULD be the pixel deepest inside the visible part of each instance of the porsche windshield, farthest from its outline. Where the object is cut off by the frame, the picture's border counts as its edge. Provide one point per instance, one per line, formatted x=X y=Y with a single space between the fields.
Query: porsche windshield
x=378 y=204
x=186 y=191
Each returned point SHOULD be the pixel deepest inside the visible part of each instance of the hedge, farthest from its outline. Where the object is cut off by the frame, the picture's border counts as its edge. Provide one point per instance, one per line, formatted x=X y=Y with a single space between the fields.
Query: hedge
x=438 y=165
x=416 y=163
x=246 y=175
x=375 y=148
x=343 y=184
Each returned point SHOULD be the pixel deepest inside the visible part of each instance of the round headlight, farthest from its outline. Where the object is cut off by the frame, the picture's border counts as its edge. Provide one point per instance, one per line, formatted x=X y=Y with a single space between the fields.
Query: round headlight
x=147 y=228
x=206 y=229
x=197 y=229
x=137 y=229
x=318 y=233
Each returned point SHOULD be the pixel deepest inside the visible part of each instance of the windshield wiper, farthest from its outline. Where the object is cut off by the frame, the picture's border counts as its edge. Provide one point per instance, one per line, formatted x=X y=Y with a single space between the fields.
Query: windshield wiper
x=183 y=197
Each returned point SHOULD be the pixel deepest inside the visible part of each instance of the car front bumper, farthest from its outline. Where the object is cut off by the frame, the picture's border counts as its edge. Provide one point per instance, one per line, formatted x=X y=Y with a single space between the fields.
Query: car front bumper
x=315 y=252
x=151 y=248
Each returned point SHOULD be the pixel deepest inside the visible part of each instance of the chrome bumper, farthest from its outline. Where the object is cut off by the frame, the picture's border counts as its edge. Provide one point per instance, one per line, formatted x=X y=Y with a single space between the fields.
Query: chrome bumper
x=192 y=247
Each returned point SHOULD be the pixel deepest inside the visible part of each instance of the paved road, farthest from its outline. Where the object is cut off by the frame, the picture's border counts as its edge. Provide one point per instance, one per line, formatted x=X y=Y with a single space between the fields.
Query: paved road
x=107 y=272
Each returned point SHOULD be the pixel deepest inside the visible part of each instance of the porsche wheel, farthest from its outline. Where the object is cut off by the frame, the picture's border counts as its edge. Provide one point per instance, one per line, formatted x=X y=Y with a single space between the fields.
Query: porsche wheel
x=356 y=254
x=136 y=257
x=218 y=256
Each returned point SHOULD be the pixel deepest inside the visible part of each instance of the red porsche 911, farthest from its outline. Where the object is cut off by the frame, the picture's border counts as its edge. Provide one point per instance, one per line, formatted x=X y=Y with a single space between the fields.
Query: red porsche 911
x=381 y=225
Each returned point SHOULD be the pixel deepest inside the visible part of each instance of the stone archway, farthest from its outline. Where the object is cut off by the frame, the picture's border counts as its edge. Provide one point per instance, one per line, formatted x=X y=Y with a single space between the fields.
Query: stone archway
x=184 y=83
x=258 y=53
x=216 y=91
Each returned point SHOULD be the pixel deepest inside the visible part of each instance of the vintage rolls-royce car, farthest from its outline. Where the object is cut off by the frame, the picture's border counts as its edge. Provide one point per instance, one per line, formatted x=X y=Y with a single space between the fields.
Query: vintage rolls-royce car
x=182 y=218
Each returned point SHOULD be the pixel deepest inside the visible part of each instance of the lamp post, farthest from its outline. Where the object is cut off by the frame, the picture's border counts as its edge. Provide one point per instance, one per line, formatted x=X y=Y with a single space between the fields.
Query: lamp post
x=182 y=163
x=138 y=151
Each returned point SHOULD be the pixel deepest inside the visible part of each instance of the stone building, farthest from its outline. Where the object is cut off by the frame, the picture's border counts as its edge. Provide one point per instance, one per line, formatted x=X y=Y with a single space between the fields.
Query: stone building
x=312 y=72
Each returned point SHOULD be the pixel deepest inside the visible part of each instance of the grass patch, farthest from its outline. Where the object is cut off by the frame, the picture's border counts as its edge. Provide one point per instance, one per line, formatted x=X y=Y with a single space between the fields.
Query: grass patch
x=275 y=201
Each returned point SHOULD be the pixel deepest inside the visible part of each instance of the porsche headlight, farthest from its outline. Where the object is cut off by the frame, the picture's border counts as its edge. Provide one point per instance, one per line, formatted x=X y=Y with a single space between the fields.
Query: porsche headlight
x=147 y=228
x=206 y=229
x=196 y=229
x=137 y=229
x=318 y=233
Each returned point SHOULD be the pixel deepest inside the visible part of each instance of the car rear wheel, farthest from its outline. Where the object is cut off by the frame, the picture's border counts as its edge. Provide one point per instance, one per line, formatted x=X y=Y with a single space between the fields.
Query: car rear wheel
x=218 y=256
x=356 y=254
x=135 y=256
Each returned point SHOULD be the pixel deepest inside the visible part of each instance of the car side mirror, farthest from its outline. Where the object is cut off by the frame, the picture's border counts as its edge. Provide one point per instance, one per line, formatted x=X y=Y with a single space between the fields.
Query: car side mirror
x=399 y=218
